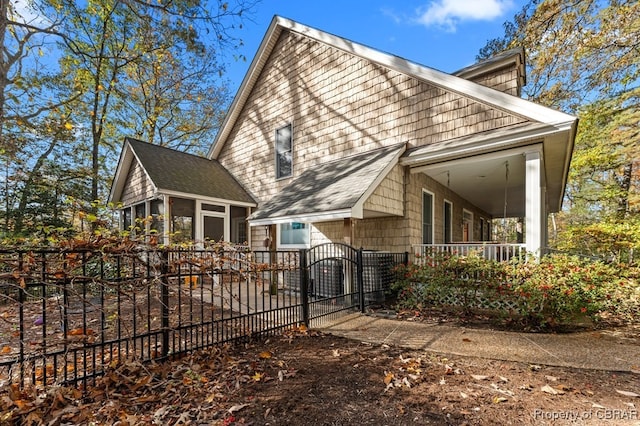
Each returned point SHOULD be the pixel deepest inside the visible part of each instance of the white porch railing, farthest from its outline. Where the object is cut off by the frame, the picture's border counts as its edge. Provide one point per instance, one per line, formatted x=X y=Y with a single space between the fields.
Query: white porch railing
x=490 y=251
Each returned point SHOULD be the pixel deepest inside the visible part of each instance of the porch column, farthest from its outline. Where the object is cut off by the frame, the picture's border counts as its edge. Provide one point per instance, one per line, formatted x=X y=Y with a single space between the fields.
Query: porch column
x=166 y=219
x=534 y=204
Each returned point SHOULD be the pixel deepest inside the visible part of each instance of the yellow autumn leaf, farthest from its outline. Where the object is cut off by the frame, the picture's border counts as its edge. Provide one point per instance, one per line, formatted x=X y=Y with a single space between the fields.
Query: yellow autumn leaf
x=265 y=355
x=68 y=126
x=302 y=328
x=388 y=378
x=257 y=377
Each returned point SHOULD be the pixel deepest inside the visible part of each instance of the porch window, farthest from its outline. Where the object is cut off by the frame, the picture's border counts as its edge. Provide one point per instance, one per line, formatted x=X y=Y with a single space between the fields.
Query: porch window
x=157 y=213
x=427 y=217
x=141 y=214
x=126 y=219
x=239 y=225
x=293 y=235
x=485 y=229
x=182 y=214
x=467 y=226
x=213 y=208
x=448 y=220
x=284 y=152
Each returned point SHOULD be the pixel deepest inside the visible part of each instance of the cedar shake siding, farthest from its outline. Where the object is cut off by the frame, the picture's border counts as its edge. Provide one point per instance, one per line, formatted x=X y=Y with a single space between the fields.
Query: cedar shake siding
x=340 y=104
x=137 y=186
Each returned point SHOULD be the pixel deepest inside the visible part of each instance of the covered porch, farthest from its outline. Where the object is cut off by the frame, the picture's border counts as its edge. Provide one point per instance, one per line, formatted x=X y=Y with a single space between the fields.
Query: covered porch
x=517 y=172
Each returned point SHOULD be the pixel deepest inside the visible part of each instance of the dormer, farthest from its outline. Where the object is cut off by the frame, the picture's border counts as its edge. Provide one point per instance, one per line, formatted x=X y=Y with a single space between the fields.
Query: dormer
x=504 y=72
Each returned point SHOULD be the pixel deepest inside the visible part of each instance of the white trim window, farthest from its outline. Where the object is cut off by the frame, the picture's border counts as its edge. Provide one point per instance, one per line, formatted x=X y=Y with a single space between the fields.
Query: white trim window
x=427 y=217
x=448 y=222
x=294 y=235
x=467 y=226
x=284 y=152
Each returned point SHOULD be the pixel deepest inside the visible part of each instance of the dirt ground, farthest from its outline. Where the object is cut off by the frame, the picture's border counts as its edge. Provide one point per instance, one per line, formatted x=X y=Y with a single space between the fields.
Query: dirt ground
x=308 y=378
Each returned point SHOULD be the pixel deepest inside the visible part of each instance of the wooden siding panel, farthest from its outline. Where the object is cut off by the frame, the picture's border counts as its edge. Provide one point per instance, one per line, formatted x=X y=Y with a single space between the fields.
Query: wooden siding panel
x=340 y=105
x=137 y=186
x=388 y=197
x=504 y=80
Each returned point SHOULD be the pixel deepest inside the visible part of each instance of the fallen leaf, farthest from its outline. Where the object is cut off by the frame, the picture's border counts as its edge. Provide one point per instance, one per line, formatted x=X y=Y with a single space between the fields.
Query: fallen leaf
x=265 y=355
x=548 y=389
x=257 y=377
x=336 y=353
x=442 y=381
x=627 y=393
x=594 y=405
x=466 y=340
x=237 y=408
x=534 y=367
x=499 y=399
x=551 y=378
x=479 y=377
x=6 y=349
x=464 y=395
x=388 y=378
x=503 y=379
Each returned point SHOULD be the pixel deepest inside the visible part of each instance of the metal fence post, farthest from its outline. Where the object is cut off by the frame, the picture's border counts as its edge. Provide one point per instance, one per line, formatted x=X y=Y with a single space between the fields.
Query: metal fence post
x=304 y=286
x=164 y=283
x=405 y=259
x=359 y=279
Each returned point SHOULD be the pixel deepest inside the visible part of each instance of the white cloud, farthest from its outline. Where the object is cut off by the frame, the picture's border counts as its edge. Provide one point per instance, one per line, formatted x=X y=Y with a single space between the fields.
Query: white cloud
x=449 y=13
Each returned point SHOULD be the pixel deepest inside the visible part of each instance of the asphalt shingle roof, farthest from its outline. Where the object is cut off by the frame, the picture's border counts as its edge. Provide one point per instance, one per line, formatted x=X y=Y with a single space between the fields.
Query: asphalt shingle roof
x=331 y=186
x=178 y=171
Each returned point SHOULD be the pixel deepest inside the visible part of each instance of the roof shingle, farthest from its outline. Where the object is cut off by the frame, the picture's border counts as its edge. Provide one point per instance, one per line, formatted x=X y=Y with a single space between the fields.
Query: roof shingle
x=173 y=170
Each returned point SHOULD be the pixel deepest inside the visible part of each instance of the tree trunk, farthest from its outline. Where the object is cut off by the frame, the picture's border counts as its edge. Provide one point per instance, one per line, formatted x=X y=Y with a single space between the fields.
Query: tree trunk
x=624 y=182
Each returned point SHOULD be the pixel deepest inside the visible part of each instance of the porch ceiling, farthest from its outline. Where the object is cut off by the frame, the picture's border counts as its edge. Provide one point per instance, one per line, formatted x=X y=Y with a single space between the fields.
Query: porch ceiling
x=483 y=180
x=475 y=166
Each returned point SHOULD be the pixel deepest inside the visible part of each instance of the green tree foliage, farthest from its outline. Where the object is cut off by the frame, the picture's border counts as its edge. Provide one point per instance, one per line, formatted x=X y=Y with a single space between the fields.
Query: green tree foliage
x=77 y=77
x=583 y=57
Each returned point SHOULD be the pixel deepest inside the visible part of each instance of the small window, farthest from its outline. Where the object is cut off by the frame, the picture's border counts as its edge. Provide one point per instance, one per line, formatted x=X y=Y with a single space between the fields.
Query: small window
x=157 y=215
x=294 y=235
x=182 y=213
x=140 y=216
x=213 y=208
x=427 y=217
x=467 y=226
x=239 y=225
x=284 y=152
x=126 y=219
x=448 y=221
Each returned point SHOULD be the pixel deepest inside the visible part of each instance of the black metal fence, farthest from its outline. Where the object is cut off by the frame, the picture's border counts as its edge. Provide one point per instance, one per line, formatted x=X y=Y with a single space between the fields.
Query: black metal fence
x=65 y=315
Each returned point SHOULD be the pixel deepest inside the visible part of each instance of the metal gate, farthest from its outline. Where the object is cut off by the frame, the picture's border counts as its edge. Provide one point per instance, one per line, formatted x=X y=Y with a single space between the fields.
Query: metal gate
x=336 y=279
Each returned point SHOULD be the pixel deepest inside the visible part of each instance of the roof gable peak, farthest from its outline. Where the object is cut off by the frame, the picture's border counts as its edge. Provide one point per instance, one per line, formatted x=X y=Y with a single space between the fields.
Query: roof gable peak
x=449 y=82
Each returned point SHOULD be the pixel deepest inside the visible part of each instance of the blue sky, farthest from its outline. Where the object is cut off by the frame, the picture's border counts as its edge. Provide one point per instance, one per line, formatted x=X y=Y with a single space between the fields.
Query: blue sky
x=441 y=34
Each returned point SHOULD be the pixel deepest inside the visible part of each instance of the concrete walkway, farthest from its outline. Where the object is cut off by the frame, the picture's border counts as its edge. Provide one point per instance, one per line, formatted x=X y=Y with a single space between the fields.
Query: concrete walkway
x=592 y=350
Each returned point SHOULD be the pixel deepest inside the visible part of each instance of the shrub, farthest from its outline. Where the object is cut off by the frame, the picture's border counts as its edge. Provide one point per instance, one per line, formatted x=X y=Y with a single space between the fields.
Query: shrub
x=546 y=294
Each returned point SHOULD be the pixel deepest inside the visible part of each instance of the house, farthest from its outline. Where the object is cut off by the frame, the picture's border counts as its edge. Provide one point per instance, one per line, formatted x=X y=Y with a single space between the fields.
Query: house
x=330 y=140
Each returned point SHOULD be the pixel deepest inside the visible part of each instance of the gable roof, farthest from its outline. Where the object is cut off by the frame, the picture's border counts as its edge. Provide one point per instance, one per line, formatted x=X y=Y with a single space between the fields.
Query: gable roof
x=332 y=190
x=505 y=102
x=503 y=59
x=174 y=171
